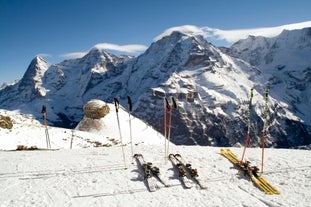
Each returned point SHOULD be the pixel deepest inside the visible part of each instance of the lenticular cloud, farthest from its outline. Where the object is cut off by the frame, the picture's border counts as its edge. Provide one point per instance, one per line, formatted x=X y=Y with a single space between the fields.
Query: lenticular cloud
x=232 y=36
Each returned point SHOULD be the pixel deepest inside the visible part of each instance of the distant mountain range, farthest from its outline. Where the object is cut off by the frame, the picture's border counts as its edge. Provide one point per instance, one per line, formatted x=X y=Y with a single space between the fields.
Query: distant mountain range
x=211 y=86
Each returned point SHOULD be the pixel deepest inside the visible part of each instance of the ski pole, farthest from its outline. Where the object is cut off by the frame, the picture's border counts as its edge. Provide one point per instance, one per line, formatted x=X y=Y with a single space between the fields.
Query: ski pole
x=170 y=122
x=116 y=103
x=248 y=125
x=129 y=101
x=47 y=137
x=263 y=134
x=165 y=108
x=71 y=139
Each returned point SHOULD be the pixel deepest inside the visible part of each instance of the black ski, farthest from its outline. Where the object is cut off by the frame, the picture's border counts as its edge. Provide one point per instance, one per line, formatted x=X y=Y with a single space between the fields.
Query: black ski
x=182 y=172
x=191 y=172
x=150 y=172
x=156 y=173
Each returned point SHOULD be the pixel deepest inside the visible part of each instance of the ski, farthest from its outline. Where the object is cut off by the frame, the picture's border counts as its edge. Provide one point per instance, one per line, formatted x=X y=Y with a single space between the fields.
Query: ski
x=151 y=173
x=250 y=171
x=156 y=173
x=182 y=172
x=192 y=172
x=148 y=178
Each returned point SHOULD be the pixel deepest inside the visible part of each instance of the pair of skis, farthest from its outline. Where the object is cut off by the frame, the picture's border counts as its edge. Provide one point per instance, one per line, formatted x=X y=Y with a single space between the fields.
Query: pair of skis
x=258 y=180
x=168 y=108
x=117 y=106
x=150 y=173
x=186 y=174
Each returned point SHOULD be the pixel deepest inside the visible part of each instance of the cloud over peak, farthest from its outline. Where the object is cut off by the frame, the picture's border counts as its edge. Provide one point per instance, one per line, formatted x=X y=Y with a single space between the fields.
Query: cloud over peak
x=132 y=49
x=231 y=36
x=227 y=37
x=122 y=48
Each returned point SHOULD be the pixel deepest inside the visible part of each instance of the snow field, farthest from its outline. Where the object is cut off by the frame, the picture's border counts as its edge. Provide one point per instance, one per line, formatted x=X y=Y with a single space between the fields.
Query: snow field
x=96 y=177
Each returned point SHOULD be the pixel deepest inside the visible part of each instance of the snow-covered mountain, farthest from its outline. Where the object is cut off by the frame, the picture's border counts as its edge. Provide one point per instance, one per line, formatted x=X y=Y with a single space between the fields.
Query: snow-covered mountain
x=211 y=87
x=286 y=63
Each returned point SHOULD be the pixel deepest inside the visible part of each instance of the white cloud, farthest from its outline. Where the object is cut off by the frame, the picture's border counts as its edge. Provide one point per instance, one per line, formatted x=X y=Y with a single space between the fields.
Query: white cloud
x=232 y=36
x=108 y=46
x=121 y=48
x=44 y=55
x=73 y=55
x=212 y=34
x=186 y=29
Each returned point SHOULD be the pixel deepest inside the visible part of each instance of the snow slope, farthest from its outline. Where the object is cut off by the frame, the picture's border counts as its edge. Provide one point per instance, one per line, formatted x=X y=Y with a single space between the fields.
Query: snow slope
x=89 y=176
x=30 y=132
x=96 y=177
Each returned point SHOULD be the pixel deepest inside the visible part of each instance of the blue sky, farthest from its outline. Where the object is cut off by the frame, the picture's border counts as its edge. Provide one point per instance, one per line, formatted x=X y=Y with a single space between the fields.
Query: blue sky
x=60 y=29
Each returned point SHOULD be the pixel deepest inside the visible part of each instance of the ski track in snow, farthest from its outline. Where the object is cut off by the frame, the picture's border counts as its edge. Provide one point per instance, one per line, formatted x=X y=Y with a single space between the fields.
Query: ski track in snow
x=96 y=177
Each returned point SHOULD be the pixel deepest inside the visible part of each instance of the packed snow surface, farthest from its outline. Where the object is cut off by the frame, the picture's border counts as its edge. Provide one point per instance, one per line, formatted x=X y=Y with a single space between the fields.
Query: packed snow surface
x=88 y=176
x=96 y=177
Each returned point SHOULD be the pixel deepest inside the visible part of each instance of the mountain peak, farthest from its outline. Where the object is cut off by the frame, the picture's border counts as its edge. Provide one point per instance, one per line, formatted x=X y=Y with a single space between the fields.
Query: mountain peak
x=38 y=66
x=99 y=53
x=32 y=79
x=39 y=58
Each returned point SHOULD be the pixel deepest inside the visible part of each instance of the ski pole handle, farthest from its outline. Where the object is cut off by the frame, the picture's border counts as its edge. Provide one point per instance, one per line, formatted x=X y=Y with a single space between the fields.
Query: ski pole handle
x=43 y=109
x=116 y=104
x=129 y=101
x=167 y=104
x=174 y=102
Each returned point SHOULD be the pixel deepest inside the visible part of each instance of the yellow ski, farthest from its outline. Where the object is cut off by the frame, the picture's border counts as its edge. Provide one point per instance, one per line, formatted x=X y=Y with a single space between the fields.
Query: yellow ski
x=259 y=181
x=266 y=183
